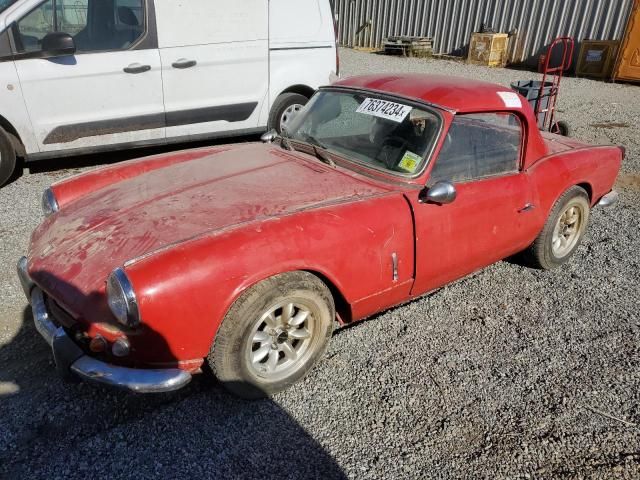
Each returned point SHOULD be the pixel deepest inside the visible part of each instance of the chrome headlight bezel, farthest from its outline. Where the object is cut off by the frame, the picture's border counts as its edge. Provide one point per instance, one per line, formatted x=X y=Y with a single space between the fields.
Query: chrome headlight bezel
x=122 y=298
x=49 y=203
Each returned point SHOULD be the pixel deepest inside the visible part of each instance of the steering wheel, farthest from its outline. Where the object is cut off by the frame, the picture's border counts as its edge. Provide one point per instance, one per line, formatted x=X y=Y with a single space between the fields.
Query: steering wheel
x=391 y=151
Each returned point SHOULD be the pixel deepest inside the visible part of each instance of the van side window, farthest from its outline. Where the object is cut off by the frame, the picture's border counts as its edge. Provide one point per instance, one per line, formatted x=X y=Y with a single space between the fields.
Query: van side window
x=35 y=26
x=95 y=25
x=479 y=145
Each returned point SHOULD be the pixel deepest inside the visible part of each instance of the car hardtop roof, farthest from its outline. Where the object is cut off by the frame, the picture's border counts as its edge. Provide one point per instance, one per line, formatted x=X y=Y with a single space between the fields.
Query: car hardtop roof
x=455 y=94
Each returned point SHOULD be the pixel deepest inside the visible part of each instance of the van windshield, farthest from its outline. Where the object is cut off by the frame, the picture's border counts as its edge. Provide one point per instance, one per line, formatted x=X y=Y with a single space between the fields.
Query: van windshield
x=383 y=133
x=4 y=4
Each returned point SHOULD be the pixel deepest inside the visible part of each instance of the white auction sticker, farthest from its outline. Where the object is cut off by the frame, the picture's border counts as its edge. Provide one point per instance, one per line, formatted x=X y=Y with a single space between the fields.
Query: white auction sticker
x=384 y=109
x=510 y=99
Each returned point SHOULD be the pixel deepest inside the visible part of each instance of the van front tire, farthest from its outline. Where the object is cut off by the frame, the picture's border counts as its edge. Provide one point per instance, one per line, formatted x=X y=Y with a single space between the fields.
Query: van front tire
x=284 y=110
x=7 y=157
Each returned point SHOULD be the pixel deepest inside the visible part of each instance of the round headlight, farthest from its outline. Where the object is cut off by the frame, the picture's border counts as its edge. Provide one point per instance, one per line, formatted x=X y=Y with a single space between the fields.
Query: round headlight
x=49 y=203
x=122 y=298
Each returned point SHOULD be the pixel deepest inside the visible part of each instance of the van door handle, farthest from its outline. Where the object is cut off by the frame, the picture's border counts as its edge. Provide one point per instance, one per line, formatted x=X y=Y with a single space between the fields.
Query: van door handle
x=137 y=68
x=184 y=63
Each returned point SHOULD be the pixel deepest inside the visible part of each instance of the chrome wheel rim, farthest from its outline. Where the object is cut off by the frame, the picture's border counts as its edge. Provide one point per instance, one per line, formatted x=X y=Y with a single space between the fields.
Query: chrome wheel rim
x=288 y=115
x=567 y=230
x=281 y=340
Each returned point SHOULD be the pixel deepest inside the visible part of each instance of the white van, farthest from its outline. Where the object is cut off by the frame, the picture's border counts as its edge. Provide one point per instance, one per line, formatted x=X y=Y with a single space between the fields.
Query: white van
x=79 y=76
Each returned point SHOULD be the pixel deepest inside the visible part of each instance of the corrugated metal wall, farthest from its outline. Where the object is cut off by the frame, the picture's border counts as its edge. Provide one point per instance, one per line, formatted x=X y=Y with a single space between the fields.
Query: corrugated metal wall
x=364 y=23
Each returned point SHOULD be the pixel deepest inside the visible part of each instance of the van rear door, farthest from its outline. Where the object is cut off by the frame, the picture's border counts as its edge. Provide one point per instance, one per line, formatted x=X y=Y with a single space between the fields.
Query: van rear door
x=214 y=56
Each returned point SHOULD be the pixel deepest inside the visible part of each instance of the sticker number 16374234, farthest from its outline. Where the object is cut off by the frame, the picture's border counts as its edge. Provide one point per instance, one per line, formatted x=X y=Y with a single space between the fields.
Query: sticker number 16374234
x=384 y=109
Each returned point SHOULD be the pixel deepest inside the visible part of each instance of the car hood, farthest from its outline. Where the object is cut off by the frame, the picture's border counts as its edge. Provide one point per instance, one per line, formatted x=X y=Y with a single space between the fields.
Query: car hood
x=73 y=251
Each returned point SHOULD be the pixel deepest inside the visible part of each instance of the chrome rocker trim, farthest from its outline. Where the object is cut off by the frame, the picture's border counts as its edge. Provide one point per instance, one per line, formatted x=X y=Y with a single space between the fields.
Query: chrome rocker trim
x=609 y=199
x=70 y=359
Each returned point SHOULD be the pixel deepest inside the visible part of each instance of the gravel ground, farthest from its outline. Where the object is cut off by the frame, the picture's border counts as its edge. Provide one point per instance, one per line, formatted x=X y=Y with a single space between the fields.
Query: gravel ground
x=509 y=373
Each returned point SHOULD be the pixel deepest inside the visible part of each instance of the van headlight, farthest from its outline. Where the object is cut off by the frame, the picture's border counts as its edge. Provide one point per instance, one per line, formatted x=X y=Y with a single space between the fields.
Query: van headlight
x=49 y=203
x=122 y=299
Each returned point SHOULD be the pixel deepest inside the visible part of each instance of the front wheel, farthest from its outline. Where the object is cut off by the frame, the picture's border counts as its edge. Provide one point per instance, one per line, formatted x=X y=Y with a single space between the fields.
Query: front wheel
x=563 y=231
x=284 y=110
x=7 y=157
x=273 y=334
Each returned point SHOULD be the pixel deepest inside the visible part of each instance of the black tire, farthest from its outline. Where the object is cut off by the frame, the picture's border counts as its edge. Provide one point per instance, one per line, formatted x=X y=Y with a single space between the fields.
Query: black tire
x=562 y=128
x=542 y=253
x=280 y=106
x=7 y=157
x=235 y=351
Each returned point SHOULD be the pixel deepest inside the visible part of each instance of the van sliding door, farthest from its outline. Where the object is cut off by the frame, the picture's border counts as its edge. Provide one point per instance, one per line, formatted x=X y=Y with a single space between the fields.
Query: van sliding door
x=214 y=56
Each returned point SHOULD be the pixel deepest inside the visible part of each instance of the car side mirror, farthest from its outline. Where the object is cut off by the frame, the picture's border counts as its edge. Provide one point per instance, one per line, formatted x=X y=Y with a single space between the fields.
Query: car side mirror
x=58 y=44
x=440 y=193
x=270 y=136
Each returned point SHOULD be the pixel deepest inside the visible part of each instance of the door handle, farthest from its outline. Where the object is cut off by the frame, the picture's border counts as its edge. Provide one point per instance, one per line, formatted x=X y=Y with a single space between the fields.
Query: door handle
x=137 y=68
x=184 y=63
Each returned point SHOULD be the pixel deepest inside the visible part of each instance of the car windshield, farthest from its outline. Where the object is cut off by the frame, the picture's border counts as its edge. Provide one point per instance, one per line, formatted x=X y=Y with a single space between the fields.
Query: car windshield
x=4 y=4
x=383 y=133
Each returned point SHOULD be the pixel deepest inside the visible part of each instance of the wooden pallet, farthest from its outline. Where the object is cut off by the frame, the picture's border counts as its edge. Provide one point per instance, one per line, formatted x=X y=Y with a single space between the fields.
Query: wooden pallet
x=408 y=46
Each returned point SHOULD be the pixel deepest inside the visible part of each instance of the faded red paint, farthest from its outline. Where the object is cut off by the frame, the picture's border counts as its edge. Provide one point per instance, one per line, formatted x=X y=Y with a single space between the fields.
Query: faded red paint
x=195 y=229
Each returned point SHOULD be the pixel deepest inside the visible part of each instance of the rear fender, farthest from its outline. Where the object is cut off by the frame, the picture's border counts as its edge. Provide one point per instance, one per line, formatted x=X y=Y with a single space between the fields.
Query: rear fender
x=595 y=168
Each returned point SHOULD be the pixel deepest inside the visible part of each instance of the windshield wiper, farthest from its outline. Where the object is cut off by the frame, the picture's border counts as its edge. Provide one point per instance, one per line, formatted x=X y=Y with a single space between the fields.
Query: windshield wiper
x=319 y=149
x=322 y=155
x=284 y=140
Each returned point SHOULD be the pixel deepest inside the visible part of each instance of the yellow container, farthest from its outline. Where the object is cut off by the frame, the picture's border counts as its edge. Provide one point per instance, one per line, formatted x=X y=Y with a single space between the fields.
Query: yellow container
x=596 y=58
x=488 y=49
x=628 y=65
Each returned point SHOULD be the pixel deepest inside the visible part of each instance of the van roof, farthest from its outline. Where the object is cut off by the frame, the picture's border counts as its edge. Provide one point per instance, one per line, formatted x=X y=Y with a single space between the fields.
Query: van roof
x=460 y=95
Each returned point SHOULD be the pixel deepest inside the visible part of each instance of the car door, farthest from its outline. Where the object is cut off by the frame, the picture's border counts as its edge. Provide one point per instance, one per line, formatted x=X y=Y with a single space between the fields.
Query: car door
x=109 y=91
x=214 y=57
x=487 y=220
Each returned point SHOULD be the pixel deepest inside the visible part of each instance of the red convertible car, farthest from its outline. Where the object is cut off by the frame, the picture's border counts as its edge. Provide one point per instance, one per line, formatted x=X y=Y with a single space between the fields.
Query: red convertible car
x=237 y=259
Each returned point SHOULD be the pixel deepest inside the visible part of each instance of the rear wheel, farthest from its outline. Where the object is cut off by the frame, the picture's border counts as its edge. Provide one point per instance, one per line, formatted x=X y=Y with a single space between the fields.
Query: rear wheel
x=7 y=157
x=562 y=128
x=563 y=230
x=273 y=334
x=284 y=110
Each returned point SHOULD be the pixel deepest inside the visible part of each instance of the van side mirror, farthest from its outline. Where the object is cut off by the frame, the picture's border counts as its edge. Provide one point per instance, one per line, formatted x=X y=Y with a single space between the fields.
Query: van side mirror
x=440 y=193
x=58 y=44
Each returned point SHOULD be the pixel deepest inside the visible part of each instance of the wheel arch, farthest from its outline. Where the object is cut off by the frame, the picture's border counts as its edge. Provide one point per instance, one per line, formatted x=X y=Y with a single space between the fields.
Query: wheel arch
x=17 y=142
x=305 y=90
x=343 y=307
x=586 y=186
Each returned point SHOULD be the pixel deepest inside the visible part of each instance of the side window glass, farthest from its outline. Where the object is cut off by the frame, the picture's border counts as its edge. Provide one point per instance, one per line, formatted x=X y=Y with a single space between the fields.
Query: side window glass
x=72 y=16
x=479 y=145
x=95 y=25
x=34 y=26
x=110 y=25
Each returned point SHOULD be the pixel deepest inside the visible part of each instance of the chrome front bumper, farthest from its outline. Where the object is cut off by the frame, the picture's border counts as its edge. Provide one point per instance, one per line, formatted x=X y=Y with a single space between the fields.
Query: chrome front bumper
x=71 y=359
x=609 y=199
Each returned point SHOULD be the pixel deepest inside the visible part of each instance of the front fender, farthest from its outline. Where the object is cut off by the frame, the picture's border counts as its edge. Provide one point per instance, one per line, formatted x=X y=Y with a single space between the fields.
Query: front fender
x=184 y=292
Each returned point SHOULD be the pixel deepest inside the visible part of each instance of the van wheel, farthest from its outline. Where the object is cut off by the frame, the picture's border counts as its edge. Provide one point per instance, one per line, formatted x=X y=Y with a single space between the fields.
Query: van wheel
x=285 y=109
x=7 y=157
x=273 y=334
